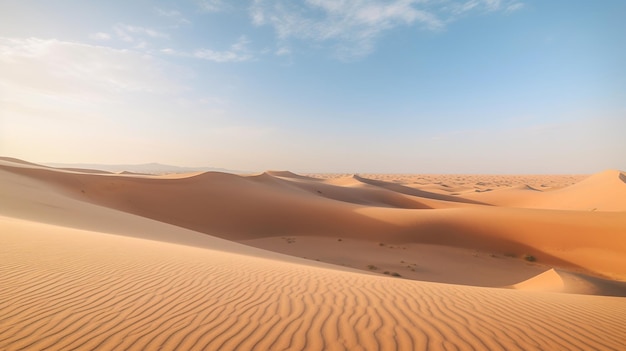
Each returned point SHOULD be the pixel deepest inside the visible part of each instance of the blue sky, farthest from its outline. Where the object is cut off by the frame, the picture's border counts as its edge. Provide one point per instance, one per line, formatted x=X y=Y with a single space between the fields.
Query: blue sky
x=416 y=86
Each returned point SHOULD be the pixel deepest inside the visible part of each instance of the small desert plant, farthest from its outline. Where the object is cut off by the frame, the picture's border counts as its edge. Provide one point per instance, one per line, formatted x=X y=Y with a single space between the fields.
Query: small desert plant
x=381 y=244
x=372 y=267
x=530 y=258
x=395 y=274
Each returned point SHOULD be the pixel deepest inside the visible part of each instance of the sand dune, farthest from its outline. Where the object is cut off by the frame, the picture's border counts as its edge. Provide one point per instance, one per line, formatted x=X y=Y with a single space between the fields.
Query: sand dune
x=111 y=261
x=92 y=291
x=215 y=203
x=604 y=191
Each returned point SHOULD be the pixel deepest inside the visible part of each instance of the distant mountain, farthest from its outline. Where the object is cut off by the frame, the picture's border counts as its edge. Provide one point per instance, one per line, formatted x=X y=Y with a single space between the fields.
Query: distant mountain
x=148 y=168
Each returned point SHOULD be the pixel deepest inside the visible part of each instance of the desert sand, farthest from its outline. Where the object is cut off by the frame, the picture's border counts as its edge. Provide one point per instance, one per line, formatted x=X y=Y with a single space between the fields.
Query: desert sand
x=275 y=261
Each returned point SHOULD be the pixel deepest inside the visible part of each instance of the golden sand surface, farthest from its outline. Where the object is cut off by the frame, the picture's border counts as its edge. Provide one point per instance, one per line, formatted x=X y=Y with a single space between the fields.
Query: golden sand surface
x=275 y=261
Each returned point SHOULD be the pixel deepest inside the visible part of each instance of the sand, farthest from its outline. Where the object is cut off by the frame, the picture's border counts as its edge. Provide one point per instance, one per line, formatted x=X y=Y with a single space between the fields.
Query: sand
x=124 y=261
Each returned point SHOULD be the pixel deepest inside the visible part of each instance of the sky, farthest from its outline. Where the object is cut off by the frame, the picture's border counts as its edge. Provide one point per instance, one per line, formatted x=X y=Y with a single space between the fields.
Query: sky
x=385 y=86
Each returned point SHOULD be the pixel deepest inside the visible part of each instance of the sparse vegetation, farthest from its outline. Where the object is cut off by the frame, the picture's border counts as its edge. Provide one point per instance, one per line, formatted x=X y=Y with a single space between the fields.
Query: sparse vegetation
x=530 y=258
x=340 y=239
x=372 y=267
x=411 y=266
x=393 y=274
x=381 y=244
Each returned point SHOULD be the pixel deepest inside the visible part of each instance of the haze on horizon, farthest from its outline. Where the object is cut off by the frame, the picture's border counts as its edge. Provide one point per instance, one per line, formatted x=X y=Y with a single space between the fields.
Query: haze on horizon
x=400 y=86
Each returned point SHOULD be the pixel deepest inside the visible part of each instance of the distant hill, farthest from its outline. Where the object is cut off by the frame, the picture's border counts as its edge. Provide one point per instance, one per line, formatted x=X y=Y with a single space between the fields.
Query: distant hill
x=147 y=168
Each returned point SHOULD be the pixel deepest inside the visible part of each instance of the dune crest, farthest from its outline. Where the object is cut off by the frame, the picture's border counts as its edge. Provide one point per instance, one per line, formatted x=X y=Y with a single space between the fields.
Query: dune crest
x=549 y=280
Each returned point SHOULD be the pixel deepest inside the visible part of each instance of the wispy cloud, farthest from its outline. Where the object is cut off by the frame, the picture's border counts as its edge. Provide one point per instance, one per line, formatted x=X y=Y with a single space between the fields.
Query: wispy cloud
x=514 y=7
x=100 y=36
x=283 y=51
x=353 y=27
x=174 y=15
x=48 y=69
x=130 y=33
x=353 y=24
x=212 y=5
x=462 y=7
x=237 y=52
x=64 y=93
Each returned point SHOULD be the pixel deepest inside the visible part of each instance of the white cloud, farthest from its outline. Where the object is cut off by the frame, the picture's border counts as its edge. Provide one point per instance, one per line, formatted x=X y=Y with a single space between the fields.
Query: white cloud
x=100 y=36
x=241 y=44
x=173 y=15
x=459 y=8
x=212 y=5
x=37 y=71
x=220 y=56
x=169 y=51
x=514 y=7
x=237 y=52
x=282 y=51
x=353 y=27
x=129 y=33
x=80 y=100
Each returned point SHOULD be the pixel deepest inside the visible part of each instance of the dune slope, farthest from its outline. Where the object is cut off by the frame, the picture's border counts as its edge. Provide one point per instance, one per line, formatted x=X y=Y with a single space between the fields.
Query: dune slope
x=107 y=262
x=68 y=289
x=604 y=191
x=246 y=208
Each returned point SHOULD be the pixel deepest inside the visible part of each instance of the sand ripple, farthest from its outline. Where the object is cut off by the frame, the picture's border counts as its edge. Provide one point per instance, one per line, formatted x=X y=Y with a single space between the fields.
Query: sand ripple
x=66 y=289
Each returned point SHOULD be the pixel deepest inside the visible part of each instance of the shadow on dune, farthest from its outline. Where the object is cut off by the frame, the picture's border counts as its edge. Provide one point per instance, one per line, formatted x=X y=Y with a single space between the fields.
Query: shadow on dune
x=450 y=233
x=416 y=192
x=372 y=196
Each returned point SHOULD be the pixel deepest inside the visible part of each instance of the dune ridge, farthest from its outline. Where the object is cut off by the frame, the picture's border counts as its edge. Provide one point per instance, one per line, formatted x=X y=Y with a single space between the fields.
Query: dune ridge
x=112 y=261
x=549 y=280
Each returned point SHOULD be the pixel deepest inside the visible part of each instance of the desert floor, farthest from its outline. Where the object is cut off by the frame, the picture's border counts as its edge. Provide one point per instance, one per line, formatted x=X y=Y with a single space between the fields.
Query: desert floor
x=276 y=261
